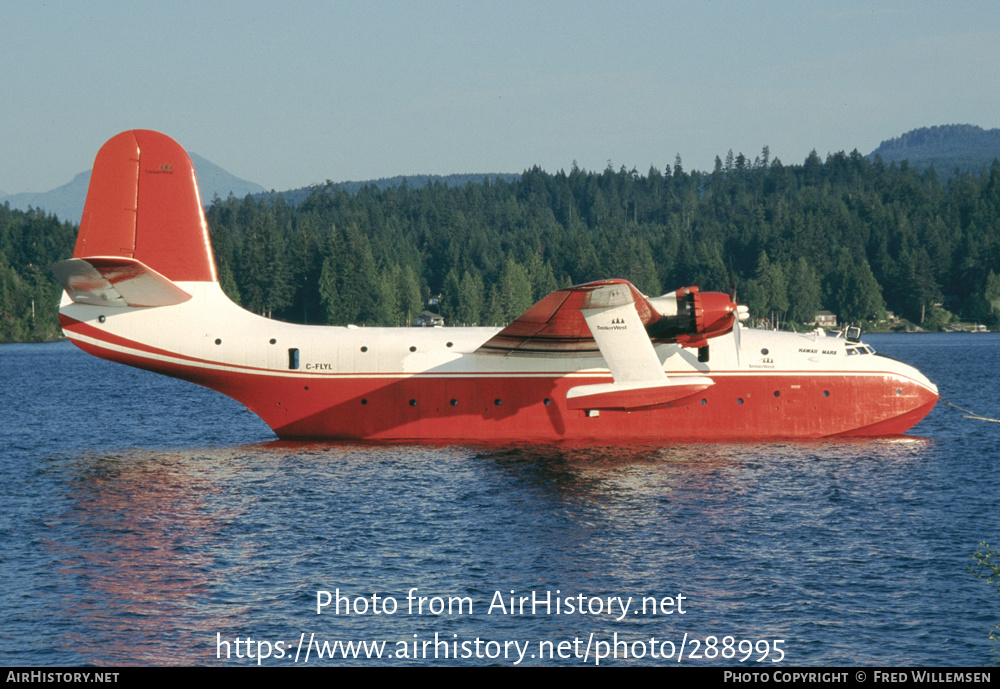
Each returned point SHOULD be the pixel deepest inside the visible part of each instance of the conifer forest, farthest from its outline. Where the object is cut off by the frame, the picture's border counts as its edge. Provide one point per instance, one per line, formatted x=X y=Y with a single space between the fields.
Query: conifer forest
x=847 y=234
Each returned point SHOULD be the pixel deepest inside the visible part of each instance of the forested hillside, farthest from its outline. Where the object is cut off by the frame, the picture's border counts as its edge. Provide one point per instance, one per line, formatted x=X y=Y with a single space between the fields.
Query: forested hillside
x=30 y=242
x=297 y=196
x=950 y=147
x=845 y=234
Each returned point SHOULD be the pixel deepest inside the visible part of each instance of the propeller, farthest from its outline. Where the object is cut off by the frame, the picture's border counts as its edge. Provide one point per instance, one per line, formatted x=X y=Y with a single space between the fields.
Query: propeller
x=732 y=281
x=741 y=313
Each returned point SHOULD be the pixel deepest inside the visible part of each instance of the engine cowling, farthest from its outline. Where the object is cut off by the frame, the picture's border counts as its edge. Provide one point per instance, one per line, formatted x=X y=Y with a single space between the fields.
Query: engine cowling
x=691 y=317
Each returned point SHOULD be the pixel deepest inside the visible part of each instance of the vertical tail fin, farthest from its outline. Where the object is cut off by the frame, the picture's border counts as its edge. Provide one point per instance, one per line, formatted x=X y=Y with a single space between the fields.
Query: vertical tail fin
x=143 y=204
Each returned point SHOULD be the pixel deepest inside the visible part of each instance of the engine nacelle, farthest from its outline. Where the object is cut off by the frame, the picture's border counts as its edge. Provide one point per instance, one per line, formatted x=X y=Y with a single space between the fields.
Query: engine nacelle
x=690 y=317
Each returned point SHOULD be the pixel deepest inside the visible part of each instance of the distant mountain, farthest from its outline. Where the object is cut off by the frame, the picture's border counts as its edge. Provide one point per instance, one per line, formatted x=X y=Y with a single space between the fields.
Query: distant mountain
x=296 y=196
x=66 y=202
x=214 y=181
x=965 y=147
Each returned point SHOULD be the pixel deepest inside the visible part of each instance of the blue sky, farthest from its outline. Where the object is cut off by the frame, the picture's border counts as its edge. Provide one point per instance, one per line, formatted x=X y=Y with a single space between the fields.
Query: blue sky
x=292 y=94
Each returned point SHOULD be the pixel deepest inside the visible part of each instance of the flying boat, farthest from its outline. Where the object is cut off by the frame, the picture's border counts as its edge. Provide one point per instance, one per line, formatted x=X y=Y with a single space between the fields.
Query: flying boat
x=595 y=362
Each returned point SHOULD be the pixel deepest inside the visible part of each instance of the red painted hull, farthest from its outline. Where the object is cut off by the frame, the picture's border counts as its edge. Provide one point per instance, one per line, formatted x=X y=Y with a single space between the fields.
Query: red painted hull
x=740 y=405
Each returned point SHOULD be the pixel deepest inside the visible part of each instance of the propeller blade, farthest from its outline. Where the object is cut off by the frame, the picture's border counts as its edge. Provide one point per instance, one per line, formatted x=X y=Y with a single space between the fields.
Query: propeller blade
x=732 y=280
x=736 y=337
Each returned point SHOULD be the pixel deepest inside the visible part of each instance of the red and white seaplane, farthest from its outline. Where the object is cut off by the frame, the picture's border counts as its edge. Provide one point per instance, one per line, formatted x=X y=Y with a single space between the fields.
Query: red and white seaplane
x=597 y=362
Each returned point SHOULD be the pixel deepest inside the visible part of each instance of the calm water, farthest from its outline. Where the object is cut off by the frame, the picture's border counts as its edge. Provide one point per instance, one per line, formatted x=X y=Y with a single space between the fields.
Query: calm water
x=144 y=520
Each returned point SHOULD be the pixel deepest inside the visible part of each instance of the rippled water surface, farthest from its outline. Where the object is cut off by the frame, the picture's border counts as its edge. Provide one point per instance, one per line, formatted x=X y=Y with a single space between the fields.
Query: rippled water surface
x=146 y=520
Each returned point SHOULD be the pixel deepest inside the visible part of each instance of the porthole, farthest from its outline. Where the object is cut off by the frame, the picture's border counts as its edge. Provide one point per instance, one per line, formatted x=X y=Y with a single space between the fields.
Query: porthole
x=454 y=403
x=364 y=401
x=704 y=401
x=498 y=401
x=218 y=340
x=413 y=349
x=413 y=403
x=777 y=393
x=764 y=351
x=450 y=344
x=306 y=387
x=364 y=349
x=899 y=391
x=826 y=393
x=101 y=319
x=274 y=341
x=739 y=401
x=547 y=402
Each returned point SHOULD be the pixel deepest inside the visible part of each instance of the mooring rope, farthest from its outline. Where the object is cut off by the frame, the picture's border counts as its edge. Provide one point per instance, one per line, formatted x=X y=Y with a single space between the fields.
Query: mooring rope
x=970 y=414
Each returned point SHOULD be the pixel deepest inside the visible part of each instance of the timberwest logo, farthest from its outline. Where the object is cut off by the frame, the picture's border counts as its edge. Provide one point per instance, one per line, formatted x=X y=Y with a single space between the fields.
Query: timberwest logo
x=164 y=169
x=616 y=324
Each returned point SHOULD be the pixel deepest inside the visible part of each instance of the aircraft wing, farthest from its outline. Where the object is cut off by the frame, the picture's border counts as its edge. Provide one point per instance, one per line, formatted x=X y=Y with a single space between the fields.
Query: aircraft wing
x=609 y=317
x=116 y=281
x=556 y=325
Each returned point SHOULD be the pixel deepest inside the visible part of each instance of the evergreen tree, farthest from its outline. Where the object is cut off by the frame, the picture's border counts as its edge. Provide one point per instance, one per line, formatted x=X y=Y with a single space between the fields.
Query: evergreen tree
x=386 y=306
x=804 y=293
x=472 y=302
x=540 y=275
x=992 y=293
x=494 y=310
x=515 y=290
x=919 y=290
x=411 y=296
x=853 y=291
x=451 y=298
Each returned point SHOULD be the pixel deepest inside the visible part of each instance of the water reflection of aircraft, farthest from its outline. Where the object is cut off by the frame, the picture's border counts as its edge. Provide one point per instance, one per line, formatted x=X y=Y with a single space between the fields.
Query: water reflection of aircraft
x=595 y=361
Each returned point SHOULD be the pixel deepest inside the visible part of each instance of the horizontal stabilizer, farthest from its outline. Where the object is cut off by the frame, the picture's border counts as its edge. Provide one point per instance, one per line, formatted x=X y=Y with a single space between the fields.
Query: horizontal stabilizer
x=636 y=395
x=116 y=281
